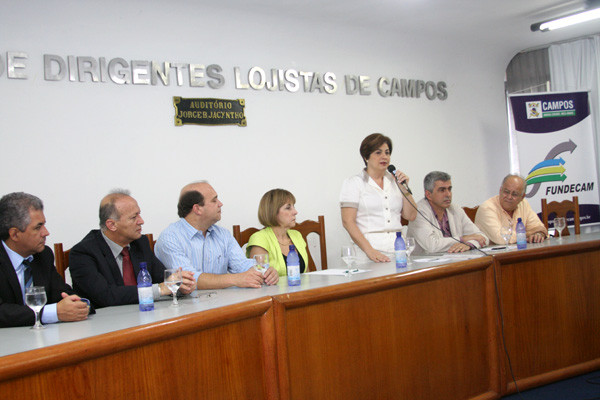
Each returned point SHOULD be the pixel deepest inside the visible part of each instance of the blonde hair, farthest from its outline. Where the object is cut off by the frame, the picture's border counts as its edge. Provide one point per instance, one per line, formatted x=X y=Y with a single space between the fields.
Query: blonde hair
x=270 y=204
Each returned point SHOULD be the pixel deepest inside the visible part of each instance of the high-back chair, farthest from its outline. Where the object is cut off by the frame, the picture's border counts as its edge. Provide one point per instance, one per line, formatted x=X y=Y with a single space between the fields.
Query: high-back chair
x=151 y=241
x=471 y=212
x=61 y=259
x=305 y=228
x=242 y=237
x=556 y=209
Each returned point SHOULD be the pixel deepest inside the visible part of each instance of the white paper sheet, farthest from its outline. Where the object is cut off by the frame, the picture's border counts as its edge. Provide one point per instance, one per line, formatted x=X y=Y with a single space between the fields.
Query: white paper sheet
x=338 y=271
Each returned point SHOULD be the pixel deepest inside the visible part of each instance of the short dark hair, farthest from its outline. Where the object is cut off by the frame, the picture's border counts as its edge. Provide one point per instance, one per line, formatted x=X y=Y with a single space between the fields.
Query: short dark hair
x=372 y=143
x=14 y=211
x=187 y=201
x=432 y=177
x=108 y=210
x=270 y=204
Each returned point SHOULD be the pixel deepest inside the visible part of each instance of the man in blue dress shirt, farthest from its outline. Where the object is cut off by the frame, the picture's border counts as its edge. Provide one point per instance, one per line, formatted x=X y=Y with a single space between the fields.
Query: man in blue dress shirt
x=196 y=244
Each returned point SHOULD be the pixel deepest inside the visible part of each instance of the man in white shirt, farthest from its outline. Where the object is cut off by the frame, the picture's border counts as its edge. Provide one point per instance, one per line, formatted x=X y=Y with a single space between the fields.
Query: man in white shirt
x=441 y=226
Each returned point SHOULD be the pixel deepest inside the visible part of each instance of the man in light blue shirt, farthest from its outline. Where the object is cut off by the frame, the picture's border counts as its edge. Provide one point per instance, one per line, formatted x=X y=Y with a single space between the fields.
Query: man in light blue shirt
x=26 y=261
x=196 y=244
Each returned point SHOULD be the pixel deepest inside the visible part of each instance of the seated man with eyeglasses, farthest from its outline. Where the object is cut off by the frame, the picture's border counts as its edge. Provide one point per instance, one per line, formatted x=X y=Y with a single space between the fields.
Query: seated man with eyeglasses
x=506 y=209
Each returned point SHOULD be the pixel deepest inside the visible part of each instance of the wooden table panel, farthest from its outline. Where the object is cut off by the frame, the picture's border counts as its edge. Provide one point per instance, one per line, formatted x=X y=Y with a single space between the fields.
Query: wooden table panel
x=551 y=304
x=427 y=336
x=222 y=354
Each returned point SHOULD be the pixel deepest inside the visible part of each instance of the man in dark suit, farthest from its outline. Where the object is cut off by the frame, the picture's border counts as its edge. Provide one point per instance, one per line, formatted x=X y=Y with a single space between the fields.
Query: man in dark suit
x=105 y=264
x=25 y=261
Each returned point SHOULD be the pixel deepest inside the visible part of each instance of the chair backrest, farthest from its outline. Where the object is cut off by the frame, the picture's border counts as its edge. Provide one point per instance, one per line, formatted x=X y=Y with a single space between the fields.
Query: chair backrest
x=61 y=259
x=471 y=212
x=151 y=241
x=556 y=209
x=242 y=237
x=317 y=227
x=305 y=228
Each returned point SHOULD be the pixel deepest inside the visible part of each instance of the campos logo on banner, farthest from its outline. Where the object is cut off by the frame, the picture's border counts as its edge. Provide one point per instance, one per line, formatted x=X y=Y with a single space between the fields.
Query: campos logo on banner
x=549 y=109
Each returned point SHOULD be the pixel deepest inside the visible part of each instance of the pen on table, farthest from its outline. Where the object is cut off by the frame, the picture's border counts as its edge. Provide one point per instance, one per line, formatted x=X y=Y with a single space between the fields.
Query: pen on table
x=499 y=248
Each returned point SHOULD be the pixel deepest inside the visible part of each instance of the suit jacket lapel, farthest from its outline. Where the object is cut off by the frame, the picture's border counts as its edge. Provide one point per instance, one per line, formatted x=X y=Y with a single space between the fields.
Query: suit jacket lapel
x=110 y=259
x=8 y=270
x=452 y=223
x=36 y=272
x=137 y=257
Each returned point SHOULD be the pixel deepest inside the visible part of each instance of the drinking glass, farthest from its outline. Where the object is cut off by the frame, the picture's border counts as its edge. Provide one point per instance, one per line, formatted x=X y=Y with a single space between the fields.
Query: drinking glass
x=560 y=224
x=35 y=298
x=173 y=281
x=262 y=262
x=349 y=256
x=410 y=246
x=506 y=233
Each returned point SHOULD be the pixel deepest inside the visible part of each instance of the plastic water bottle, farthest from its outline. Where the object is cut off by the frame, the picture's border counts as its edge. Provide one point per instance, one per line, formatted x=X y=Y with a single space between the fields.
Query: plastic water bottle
x=521 y=235
x=293 y=267
x=400 y=249
x=144 y=284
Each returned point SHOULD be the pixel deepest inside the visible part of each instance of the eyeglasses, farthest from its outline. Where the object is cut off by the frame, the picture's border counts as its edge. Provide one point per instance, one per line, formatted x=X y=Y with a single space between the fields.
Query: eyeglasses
x=507 y=193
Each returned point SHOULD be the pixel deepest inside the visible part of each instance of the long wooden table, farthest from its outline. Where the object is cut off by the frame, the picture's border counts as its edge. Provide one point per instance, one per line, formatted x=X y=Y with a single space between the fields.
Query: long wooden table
x=432 y=332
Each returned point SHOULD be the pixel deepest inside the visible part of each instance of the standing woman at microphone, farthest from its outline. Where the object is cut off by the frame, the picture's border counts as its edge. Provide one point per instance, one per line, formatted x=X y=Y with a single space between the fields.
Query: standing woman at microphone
x=373 y=201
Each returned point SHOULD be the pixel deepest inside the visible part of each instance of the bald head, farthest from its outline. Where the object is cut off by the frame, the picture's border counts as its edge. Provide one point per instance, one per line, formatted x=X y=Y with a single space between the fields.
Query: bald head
x=514 y=179
x=190 y=195
x=200 y=206
x=197 y=186
x=120 y=218
x=108 y=209
x=512 y=192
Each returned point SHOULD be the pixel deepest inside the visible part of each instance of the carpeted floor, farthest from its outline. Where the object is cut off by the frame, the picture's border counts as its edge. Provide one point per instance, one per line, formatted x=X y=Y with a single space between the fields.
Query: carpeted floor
x=583 y=387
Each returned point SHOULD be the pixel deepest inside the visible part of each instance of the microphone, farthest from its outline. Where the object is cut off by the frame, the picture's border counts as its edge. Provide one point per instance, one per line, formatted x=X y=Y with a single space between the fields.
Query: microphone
x=392 y=170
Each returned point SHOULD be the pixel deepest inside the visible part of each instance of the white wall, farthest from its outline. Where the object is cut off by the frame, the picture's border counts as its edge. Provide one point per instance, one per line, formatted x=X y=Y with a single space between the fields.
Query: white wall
x=70 y=142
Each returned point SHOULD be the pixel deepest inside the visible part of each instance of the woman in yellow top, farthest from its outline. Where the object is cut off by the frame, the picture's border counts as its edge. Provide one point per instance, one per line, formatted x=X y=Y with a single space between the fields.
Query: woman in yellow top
x=277 y=213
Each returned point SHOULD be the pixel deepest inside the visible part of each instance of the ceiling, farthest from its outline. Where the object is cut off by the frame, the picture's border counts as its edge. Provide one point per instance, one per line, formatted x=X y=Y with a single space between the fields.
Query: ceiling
x=504 y=23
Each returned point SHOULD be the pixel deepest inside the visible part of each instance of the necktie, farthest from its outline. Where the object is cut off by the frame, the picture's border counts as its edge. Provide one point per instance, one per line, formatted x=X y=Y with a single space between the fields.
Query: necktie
x=128 y=275
x=28 y=273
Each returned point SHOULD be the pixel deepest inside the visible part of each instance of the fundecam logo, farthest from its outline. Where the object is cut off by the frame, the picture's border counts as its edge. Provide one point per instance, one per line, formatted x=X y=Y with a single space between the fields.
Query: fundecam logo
x=551 y=171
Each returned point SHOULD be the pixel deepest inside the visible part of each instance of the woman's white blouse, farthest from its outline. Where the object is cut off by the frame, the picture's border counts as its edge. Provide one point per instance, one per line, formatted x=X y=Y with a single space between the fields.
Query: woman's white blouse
x=378 y=210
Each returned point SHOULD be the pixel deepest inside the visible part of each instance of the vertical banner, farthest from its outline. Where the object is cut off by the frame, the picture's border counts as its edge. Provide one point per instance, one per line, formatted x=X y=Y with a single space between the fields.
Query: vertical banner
x=554 y=139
